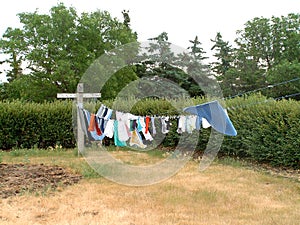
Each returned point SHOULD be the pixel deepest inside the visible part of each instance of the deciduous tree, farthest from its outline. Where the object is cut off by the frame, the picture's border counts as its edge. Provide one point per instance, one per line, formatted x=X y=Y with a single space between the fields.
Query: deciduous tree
x=58 y=47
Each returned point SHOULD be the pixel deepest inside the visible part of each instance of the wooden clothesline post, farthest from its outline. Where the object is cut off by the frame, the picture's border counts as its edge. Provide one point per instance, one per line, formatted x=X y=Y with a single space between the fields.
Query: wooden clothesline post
x=79 y=97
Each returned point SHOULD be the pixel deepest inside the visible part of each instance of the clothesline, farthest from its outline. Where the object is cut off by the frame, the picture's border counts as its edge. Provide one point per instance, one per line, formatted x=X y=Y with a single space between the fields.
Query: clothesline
x=263 y=88
x=136 y=130
x=263 y=101
x=125 y=126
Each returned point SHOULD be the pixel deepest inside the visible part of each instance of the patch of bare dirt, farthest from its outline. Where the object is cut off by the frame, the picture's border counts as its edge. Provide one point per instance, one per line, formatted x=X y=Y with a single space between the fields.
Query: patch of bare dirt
x=16 y=179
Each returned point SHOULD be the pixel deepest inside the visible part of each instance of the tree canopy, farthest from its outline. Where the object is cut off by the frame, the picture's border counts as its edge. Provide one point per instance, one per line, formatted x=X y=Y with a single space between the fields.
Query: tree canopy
x=267 y=52
x=51 y=52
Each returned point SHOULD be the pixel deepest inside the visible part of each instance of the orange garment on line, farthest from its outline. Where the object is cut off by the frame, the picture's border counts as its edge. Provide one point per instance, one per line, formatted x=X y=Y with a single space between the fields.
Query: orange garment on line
x=147 y=124
x=92 y=123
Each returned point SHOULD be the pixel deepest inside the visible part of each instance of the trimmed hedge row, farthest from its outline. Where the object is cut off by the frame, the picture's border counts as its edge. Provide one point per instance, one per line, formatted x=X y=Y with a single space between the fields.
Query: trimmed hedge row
x=27 y=125
x=268 y=131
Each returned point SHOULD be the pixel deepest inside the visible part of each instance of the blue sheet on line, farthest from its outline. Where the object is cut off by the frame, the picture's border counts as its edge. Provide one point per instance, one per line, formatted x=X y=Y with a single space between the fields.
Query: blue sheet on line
x=214 y=113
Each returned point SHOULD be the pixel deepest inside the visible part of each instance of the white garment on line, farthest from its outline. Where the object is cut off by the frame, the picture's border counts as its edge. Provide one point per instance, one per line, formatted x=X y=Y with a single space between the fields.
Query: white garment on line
x=181 y=124
x=153 y=126
x=123 y=129
x=164 y=121
x=205 y=123
x=191 y=123
x=109 y=129
x=100 y=111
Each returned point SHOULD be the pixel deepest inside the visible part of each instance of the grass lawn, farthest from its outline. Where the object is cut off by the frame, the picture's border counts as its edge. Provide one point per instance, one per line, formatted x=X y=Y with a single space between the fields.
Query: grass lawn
x=226 y=193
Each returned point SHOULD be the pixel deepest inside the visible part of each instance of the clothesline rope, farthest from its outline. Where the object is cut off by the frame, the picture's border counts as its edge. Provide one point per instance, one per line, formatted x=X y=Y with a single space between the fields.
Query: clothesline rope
x=263 y=88
x=264 y=101
x=287 y=96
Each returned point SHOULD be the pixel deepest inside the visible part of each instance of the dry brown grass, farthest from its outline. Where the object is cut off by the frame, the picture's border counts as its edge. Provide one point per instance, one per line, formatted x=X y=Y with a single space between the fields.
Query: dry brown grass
x=222 y=194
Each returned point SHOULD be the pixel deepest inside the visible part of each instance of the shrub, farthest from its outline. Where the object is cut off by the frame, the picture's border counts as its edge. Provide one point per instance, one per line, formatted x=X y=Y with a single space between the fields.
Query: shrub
x=268 y=131
x=27 y=125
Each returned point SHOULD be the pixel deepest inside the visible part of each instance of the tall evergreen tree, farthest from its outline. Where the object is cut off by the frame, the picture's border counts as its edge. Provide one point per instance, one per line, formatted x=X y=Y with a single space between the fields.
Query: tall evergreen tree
x=196 y=49
x=161 y=62
x=199 y=73
x=223 y=66
x=223 y=54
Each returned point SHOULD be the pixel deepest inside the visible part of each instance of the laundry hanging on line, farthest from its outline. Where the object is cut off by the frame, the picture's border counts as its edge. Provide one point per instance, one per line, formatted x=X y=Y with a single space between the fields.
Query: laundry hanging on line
x=96 y=128
x=216 y=116
x=127 y=127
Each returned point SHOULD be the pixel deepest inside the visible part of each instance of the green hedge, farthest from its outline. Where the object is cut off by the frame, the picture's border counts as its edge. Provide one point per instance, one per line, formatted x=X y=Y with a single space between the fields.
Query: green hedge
x=268 y=131
x=27 y=125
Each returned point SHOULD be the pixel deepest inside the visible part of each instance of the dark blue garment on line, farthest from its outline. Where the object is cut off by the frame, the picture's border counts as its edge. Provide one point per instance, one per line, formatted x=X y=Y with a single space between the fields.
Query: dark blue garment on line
x=214 y=113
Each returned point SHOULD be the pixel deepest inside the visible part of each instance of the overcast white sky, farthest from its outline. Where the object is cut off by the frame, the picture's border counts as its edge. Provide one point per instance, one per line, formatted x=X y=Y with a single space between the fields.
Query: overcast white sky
x=182 y=20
